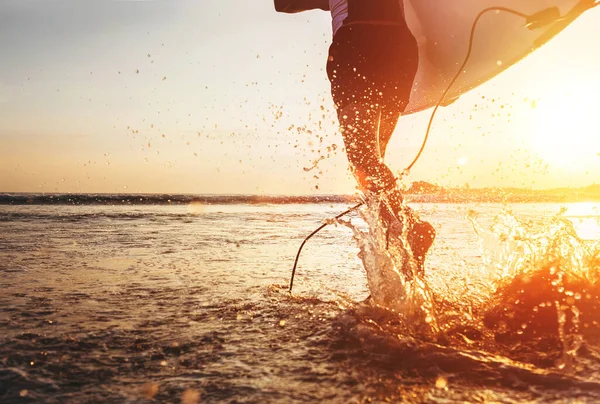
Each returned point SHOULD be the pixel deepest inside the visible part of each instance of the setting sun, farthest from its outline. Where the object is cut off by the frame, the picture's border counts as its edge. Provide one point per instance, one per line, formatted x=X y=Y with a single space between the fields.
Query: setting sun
x=565 y=130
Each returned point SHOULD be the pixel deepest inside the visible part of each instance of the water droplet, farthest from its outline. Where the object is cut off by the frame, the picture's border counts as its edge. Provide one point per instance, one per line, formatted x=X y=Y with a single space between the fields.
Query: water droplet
x=149 y=390
x=190 y=396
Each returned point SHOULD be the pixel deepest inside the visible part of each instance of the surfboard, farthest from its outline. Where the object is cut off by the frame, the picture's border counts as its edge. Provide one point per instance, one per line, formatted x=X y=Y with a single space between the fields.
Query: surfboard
x=443 y=28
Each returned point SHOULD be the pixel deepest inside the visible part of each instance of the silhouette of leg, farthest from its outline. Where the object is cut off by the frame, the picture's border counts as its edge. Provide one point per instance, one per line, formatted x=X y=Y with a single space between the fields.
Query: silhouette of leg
x=387 y=125
x=359 y=124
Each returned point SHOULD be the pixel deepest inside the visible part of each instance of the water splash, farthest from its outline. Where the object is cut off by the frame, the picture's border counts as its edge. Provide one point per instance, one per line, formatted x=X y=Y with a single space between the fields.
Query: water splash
x=390 y=270
x=513 y=246
x=542 y=282
x=545 y=279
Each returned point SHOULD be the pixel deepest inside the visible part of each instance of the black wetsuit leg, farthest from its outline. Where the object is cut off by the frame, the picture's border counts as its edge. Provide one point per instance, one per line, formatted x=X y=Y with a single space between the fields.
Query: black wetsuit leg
x=371 y=69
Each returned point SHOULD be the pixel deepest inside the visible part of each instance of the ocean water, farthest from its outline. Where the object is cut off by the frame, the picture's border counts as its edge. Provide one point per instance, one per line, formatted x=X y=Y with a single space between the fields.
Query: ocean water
x=189 y=303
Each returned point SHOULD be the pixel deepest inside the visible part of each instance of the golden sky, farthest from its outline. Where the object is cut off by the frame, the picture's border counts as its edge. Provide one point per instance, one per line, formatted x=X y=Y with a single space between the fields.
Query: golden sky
x=227 y=96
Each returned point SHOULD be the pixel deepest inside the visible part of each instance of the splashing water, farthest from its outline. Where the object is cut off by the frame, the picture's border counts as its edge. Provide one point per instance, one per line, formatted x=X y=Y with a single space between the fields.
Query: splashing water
x=541 y=283
x=514 y=246
x=545 y=281
x=390 y=270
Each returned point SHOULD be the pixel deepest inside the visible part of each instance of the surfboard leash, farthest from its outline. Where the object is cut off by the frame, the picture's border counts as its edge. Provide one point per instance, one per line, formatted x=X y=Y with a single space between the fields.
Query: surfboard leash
x=312 y=234
x=536 y=20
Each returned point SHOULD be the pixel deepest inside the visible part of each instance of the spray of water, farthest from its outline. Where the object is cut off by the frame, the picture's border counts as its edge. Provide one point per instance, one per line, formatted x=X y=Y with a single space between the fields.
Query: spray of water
x=390 y=270
x=545 y=281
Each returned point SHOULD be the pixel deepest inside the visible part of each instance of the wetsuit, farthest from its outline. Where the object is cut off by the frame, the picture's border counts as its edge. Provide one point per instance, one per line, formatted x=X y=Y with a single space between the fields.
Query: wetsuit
x=372 y=64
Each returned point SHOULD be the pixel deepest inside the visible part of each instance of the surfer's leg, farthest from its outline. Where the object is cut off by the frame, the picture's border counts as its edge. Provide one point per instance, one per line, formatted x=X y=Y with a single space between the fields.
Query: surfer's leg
x=367 y=81
x=387 y=124
x=359 y=124
x=396 y=81
x=421 y=234
x=351 y=70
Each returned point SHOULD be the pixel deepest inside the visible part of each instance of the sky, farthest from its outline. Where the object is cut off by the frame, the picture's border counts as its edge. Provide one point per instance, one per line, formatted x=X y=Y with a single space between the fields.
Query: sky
x=230 y=97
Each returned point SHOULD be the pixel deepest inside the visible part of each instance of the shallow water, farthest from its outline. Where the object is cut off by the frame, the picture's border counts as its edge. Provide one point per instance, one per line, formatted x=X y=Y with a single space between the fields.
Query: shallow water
x=189 y=303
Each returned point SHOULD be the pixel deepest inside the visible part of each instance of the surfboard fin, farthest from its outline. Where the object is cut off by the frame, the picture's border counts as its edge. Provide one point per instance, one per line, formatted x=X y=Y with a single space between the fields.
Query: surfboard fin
x=563 y=22
x=542 y=18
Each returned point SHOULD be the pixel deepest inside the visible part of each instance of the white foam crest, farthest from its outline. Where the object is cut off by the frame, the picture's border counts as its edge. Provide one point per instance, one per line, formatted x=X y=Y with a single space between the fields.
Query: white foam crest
x=514 y=246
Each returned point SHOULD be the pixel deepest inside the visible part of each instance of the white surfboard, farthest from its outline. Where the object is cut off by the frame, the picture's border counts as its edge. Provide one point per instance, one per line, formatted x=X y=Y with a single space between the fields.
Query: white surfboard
x=443 y=28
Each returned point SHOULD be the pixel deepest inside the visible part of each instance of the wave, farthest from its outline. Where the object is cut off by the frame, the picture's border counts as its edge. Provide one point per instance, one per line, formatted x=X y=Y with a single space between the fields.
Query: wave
x=165 y=199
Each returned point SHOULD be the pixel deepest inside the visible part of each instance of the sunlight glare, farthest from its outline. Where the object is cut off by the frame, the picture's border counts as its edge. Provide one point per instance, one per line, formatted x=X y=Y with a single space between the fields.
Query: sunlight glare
x=586 y=219
x=566 y=131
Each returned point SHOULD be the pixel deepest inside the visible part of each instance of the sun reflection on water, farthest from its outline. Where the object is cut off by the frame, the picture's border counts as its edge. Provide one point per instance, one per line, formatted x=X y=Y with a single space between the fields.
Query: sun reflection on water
x=586 y=219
